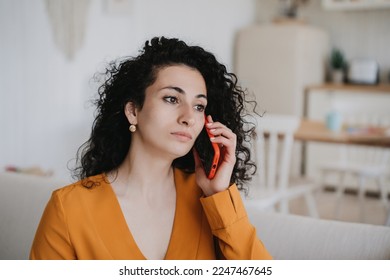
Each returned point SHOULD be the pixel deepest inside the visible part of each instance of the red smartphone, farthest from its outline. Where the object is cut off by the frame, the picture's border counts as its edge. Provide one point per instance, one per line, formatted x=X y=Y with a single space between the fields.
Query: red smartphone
x=208 y=151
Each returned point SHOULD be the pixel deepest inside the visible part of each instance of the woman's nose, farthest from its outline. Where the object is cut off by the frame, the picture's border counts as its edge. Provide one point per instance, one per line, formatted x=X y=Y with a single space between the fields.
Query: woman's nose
x=187 y=117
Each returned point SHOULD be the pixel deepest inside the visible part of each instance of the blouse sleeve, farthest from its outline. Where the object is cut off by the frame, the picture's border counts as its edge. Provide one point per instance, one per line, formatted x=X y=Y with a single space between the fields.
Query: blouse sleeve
x=229 y=222
x=52 y=240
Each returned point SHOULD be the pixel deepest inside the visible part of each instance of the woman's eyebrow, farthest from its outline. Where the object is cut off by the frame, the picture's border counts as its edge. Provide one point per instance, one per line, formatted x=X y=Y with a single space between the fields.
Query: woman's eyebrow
x=181 y=91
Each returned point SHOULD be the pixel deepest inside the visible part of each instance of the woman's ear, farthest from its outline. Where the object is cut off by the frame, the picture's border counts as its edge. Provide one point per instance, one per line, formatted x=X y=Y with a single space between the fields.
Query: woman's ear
x=131 y=112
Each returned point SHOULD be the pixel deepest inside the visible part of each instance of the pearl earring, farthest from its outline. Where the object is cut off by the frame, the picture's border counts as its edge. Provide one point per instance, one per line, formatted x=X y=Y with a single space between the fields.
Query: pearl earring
x=132 y=128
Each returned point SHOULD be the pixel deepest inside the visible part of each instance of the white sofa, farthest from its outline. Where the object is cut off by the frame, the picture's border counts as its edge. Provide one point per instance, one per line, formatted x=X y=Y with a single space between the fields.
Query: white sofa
x=23 y=198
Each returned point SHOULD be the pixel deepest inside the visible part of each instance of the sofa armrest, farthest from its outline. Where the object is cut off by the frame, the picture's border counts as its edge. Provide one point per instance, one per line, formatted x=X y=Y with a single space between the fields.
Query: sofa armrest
x=296 y=237
x=22 y=201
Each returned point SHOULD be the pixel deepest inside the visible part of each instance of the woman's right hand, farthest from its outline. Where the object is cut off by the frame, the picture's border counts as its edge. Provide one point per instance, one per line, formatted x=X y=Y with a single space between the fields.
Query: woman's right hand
x=227 y=142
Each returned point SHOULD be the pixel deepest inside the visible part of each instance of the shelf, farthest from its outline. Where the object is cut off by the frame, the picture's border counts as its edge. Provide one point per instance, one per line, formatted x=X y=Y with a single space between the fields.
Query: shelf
x=355 y=4
x=347 y=88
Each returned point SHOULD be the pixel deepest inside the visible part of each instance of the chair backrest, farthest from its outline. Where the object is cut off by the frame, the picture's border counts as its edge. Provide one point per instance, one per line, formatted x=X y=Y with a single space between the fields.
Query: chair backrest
x=272 y=149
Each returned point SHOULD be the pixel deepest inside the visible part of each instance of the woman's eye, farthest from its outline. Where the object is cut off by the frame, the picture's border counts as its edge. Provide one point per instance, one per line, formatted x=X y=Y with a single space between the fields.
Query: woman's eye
x=200 y=108
x=171 y=99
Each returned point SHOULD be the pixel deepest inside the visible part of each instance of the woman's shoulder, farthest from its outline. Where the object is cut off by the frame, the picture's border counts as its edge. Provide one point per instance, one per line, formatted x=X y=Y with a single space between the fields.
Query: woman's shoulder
x=76 y=202
x=92 y=184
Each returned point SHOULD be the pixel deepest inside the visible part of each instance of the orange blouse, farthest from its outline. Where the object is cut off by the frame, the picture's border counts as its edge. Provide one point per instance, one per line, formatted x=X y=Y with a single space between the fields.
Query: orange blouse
x=88 y=223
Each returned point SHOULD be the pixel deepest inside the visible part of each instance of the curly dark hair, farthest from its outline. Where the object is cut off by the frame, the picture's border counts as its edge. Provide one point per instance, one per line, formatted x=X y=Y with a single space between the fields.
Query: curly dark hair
x=127 y=80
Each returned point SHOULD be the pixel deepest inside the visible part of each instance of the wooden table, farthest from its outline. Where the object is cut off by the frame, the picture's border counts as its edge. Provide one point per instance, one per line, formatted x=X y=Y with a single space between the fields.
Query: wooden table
x=316 y=131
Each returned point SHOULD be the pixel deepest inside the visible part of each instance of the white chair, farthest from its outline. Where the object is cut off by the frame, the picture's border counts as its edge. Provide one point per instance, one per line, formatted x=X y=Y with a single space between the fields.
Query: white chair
x=272 y=149
x=360 y=165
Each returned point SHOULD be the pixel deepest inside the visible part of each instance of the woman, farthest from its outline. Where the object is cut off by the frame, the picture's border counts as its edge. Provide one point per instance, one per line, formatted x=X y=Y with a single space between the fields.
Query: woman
x=142 y=191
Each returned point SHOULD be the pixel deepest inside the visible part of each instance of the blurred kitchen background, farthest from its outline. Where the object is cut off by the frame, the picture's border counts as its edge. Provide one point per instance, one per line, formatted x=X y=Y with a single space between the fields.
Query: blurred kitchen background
x=281 y=51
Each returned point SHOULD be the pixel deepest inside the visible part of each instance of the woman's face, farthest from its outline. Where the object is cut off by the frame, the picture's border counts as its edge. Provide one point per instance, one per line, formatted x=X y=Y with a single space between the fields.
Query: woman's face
x=173 y=112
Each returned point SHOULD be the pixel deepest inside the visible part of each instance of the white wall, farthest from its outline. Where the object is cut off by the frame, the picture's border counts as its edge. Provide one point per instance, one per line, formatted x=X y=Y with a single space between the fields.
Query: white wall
x=44 y=110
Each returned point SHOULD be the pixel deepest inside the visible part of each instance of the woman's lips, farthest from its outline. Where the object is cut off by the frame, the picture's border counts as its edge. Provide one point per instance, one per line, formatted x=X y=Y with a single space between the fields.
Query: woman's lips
x=183 y=136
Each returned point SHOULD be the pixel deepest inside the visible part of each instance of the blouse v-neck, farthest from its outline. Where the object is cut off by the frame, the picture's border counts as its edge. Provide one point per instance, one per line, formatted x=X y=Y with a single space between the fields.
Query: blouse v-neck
x=181 y=239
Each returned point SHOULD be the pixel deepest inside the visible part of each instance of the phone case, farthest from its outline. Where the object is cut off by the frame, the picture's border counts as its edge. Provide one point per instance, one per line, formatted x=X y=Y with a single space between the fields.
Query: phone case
x=207 y=151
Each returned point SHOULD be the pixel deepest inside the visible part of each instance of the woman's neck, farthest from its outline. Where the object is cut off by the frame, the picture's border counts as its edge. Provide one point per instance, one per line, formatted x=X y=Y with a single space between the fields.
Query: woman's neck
x=144 y=171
